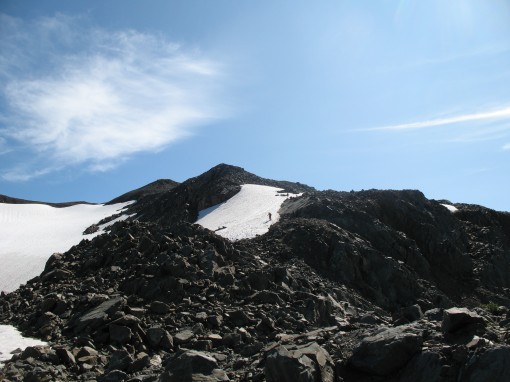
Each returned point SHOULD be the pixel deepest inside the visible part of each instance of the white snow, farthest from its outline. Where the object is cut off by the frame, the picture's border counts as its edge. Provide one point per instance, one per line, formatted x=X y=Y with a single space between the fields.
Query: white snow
x=31 y=233
x=11 y=339
x=246 y=214
x=450 y=207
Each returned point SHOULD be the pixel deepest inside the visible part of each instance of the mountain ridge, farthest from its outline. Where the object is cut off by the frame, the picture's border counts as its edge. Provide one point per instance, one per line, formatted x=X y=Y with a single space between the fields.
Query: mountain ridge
x=375 y=285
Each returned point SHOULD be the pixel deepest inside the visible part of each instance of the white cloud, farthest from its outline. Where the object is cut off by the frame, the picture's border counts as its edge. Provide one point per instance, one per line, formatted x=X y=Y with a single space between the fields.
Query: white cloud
x=93 y=97
x=502 y=113
x=506 y=147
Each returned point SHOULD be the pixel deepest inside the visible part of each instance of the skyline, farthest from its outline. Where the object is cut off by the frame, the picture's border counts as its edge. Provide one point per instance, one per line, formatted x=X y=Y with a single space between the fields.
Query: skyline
x=99 y=99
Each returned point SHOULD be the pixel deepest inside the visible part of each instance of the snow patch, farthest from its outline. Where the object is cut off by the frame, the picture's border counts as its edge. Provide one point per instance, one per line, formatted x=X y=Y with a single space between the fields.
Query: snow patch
x=246 y=214
x=31 y=233
x=12 y=340
x=450 y=207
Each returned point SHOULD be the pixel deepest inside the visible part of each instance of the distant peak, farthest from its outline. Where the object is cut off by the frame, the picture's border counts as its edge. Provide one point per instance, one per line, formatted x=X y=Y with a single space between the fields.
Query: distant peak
x=156 y=187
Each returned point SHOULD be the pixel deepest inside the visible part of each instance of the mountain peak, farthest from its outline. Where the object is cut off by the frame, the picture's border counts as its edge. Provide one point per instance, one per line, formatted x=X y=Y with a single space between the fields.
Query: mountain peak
x=156 y=187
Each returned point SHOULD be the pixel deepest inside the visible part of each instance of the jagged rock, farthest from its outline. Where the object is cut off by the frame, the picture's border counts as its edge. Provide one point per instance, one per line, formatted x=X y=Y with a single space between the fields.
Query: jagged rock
x=183 y=336
x=423 y=367
x=412 y=313
x=232 y=340
x=119 y=334
x=457 y=318
x=141 y=361
x=492 y=365
x=435 y=314
x=86 y=351
x=192 y=365
x=305 y=363
x=120 y=360
x=159 y=307
x=387 y=350
x=65 y=356
x=113 y=376
x=98 y=316
x=159 y=337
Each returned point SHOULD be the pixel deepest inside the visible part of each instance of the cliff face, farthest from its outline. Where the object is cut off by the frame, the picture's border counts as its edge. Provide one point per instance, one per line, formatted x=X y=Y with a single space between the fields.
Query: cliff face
x=346 y=286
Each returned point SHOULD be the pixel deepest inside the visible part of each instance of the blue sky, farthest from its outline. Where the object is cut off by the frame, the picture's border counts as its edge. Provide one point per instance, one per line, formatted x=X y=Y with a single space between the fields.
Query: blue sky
x=98 y=98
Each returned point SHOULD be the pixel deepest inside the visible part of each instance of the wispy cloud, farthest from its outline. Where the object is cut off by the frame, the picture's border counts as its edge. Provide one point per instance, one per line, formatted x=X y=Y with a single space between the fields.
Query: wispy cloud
x=506 y=147
x=501 y=113
x=3 y=146
x=93 y=98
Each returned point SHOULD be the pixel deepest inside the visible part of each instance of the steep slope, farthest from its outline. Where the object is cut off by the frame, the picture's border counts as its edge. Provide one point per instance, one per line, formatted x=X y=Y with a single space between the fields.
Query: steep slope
x=463 y=254
x=213 y=187
x=247 y=214
x=344 y=286
x=31 y=233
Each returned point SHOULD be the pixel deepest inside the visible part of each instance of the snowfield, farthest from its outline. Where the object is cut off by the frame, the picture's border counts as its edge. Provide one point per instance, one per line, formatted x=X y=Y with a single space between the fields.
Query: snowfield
x=31 y=233
x=450 y=207
x=11 y=340
x=246 y=214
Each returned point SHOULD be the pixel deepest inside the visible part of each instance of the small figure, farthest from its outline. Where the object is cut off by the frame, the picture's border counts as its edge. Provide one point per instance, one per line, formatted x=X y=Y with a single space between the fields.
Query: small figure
x=269 y=214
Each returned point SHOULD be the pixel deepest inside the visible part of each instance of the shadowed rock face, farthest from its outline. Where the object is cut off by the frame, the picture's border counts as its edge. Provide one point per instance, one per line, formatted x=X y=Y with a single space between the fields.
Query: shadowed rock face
x=347 y=286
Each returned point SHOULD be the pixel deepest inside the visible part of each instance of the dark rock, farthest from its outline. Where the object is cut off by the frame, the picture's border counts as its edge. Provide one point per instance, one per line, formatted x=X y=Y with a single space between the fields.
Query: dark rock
x=201 y=345
x=98 y=315
x=386 y=351
x=159 y=307
x=65 y=356
x=159 y=337
x=457 y=318
x=86 y=351
x=412 y=313
x=423 y=367
x=120 y=360
x=232 y=340
x=141 y=361
x=183 y=336
x=114 y=376
x=215 y=320
x=119 y=334
x=192 y=366
x=306 y=363
x=435 y=314
x=267 y=297
x=493 y=365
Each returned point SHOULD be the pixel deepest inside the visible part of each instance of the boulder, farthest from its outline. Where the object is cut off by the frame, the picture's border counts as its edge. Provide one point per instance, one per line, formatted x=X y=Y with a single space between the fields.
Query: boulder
x=98 y=315
x=492 y=365
x=159 y=337
x=119 y=334
x=159 y=307
x=65 y=356
x=457 y=318
x=386 y=351
x=424 y=367
x=303 y=363
x=184 y=336
x=120 y=360
x=193 y=365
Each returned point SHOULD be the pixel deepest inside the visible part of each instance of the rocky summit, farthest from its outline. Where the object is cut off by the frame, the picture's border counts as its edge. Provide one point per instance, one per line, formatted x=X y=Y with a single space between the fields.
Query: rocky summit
x=345 y=286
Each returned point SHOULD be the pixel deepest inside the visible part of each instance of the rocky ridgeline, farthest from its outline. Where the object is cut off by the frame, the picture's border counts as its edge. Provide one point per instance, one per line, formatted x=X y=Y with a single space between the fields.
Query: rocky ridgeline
x=182 y=202
x=367 y=286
